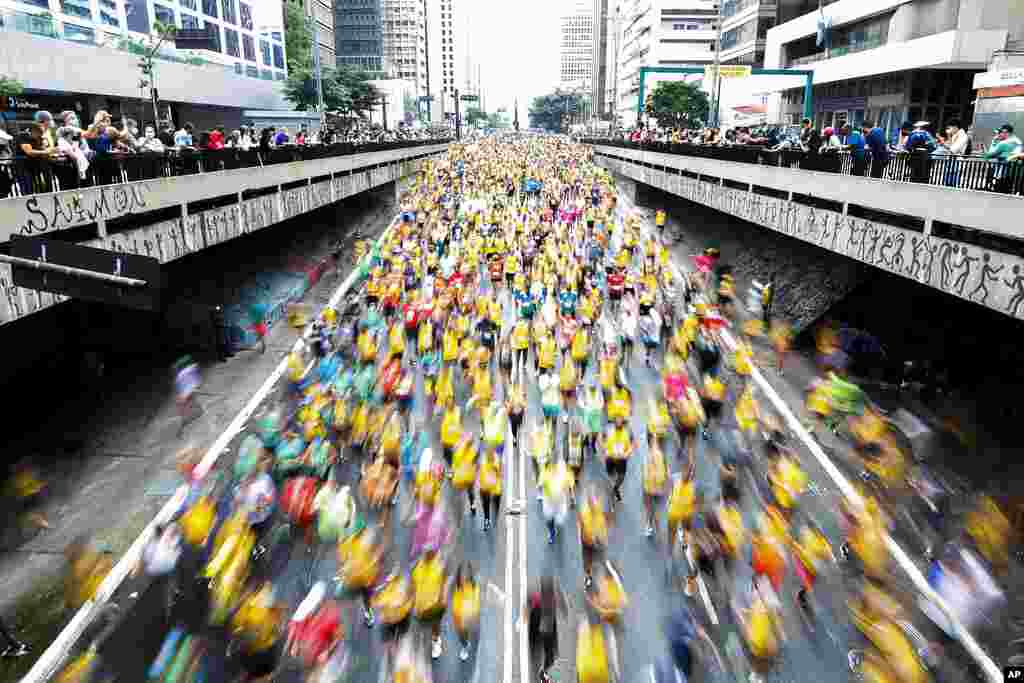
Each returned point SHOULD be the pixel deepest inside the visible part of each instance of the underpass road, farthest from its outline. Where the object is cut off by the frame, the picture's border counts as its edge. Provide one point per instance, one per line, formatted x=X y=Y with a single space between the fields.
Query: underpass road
x=651 y=573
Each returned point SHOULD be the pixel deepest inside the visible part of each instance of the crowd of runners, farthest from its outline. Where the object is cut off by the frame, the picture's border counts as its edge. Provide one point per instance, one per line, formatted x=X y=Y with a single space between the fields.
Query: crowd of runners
x=504 y=316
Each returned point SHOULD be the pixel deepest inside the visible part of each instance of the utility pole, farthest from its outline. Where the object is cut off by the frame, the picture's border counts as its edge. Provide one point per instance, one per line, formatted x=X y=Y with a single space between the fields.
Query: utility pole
x=458 y=119
x=317 y=74
x=716 y=83
x=384 y=106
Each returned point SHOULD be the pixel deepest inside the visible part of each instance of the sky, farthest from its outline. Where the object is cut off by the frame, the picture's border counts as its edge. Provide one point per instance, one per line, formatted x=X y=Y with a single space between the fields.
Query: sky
x=516 y=44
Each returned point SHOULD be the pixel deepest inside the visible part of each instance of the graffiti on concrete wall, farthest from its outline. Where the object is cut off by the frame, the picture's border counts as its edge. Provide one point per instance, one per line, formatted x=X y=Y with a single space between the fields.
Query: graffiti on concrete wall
x=61 y=210
x=293 y=202
x=17 y=302
x=984 y=276
x=260 y=212
x=319 y=194
x=161 y=241
x=221 y=225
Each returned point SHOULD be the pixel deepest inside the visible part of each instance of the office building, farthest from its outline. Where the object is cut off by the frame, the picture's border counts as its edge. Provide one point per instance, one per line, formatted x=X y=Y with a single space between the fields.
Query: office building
x=93 y=63
x=321 y=16
x=359 y=34
x=890 y=61
x=405 y=42
x=603 y=44
x=672 y=33
x=745 y=26
x=447 y=34
x=576 y=45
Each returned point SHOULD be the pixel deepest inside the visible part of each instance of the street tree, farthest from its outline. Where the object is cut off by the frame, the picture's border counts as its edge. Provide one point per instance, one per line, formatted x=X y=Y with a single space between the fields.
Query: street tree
x=298 y=32
x=475 y=117
x=346 y=90
x=498 y=120
x=147 y=63
x=551 y=112
x=10 y=87
x=678 y=104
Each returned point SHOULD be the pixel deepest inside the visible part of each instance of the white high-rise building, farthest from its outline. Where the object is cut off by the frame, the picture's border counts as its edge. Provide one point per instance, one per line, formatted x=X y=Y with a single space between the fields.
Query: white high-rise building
x=890 y=62
x=446 y=44
x=77 y=55
x=672 y=33
x=576 y=47
x=405 y=42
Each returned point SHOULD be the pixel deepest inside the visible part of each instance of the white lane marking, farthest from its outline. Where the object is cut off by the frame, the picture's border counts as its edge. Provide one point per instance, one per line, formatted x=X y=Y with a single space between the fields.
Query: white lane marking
x=992 y=671
x=512 y=607
x=55 y=655
x=702 y=589
x=524 y=632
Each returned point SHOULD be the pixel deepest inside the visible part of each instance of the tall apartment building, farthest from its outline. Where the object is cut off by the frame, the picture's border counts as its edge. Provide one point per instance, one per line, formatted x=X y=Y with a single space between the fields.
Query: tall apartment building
x=405 y=42
x=91 y=66
x=359 y=34
x=745 y=26
x=321 y=14
x=673 y=33
x=890 y=61
x=447 y=34
x=576 y=45
x=602 y=50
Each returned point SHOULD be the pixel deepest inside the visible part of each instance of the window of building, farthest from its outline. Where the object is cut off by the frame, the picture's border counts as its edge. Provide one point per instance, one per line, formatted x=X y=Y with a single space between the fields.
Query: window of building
x=108 y=13
x=231 y=43
x=249 y=47
x=79 y=34
x=279 y=56
x=77 y=8
x=210 y=8
x=191 y=22
x=229 y=15
x=251 y=71
x=163 y=14
x=189 y=4
x=245 y=11
x=267 y=75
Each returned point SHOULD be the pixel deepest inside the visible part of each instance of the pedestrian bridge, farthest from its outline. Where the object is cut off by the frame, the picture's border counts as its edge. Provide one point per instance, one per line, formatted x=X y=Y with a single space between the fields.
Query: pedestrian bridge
x=170 y=218
x=966 y=243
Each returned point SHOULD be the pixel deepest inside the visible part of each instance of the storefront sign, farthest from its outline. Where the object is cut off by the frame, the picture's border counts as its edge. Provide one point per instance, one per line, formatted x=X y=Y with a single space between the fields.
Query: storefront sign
x=998 y=79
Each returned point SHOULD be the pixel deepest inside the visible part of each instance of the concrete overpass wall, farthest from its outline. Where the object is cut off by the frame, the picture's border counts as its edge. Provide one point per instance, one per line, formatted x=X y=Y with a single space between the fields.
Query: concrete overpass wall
x=828 y=211
x=286 y=191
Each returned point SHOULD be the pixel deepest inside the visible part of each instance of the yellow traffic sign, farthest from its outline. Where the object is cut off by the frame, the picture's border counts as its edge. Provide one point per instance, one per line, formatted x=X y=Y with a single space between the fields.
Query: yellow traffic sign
x=727 y=71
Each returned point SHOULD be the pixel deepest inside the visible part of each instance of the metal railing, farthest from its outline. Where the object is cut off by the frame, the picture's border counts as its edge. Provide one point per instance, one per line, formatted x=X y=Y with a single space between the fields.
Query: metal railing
x=21 y=176
x=960 y=172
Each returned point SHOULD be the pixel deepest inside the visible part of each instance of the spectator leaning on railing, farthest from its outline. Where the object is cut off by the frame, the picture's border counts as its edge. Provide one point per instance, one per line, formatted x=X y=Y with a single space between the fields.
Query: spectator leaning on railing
x=183 y=136
x=1005 y=148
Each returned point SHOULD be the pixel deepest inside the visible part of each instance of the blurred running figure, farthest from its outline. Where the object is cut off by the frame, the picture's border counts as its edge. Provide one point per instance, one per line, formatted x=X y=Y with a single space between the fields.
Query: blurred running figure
x=186 y=383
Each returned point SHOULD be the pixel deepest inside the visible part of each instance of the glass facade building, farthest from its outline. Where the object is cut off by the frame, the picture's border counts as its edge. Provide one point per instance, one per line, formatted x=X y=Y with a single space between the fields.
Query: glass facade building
x=359 y=34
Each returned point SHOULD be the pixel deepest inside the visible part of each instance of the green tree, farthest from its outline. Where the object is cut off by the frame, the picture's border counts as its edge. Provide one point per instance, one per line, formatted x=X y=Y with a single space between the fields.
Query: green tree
x=474 y=116
x=147 y=64
x=552 y=112
x=352 y=92
x=678 y=104
x=498 y=119
x=10 y=87
x=346 y=90
x=297 y=37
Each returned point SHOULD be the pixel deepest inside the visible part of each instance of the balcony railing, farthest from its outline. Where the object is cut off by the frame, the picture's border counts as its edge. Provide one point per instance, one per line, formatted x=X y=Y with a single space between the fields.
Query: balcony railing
x=959 y=172
x=21 y=176
x=834 y=52
x=44 y=25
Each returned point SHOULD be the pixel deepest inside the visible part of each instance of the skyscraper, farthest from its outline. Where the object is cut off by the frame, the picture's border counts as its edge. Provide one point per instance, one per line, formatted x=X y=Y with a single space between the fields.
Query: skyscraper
x=604 y=44
x=576 y=60
x=673 y=33
x=359 y=34
x=405 y=42
x=447 y=54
